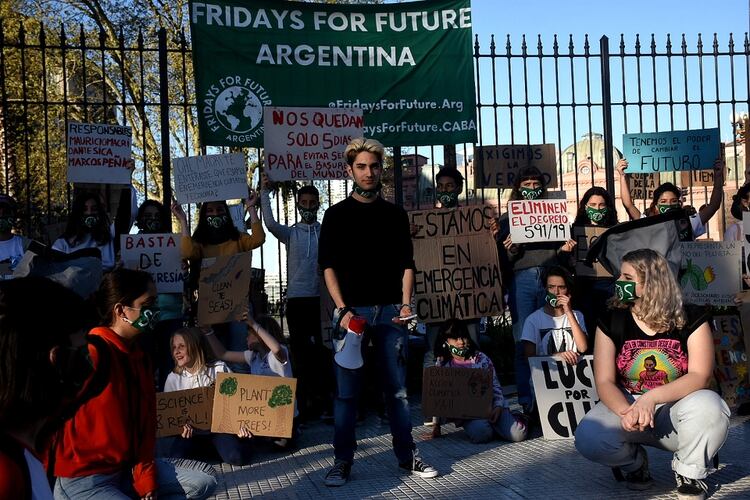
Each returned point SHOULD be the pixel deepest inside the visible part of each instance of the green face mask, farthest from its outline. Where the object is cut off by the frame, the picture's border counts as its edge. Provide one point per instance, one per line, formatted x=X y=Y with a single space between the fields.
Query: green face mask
x=596 y=214
x=6 y=224
x=551 y=299
x=666 y=208
x=367 y=193
x=448 y=199
x=458 y=351
x=217 y=221
x=530 y=193
x=90 y=221
x=625 y=290
x=308 y=215
x=147 y=320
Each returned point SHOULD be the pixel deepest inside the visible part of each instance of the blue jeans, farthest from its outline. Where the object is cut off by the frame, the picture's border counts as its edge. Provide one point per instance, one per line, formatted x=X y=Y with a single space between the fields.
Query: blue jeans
x=231 y=448
x=391 y=350
x=525 y=295
x=176 y=479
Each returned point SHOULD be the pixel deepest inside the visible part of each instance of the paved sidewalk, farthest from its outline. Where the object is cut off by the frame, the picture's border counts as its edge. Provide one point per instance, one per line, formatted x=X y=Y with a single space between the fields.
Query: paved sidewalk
x=532 y=469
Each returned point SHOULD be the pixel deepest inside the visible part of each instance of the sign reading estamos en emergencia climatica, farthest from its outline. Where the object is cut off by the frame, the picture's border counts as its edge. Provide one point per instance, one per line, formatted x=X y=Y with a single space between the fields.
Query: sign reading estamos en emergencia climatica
x=407 y=66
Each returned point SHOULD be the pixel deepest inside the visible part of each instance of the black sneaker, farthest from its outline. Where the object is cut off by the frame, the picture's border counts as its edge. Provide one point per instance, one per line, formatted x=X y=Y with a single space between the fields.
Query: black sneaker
x=640 y=479
x=690 y=489
x=418 y=468
x=338 y=475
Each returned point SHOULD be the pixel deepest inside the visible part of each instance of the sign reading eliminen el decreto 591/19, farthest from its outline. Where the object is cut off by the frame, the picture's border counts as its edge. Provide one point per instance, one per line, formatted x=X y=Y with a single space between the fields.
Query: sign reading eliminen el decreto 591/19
x=671 y=151
x=538 y=220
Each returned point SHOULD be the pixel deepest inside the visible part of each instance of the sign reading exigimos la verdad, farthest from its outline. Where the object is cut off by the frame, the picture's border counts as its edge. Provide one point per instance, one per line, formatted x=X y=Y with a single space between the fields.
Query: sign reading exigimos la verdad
x=408 y=66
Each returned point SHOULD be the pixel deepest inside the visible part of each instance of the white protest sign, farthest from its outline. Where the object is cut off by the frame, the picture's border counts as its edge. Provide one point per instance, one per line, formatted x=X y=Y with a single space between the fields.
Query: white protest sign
x=308 y=143
x=99 y=153
x=745 y=243
x=710 y=271
x=538 y=220
x=210 y=178
x=237 y=212
x=157 y=254
x=564 y=393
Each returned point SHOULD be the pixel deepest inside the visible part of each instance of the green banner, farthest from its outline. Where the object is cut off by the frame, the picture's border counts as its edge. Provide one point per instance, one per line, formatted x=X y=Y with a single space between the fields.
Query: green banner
x=407 y=65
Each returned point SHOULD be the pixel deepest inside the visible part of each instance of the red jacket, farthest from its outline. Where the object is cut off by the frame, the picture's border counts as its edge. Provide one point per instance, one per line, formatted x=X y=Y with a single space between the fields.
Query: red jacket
x=115 y=430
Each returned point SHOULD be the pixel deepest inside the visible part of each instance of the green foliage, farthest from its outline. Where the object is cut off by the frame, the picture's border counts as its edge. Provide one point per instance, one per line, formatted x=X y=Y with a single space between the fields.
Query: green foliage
x=228 y=386
x=281 y=396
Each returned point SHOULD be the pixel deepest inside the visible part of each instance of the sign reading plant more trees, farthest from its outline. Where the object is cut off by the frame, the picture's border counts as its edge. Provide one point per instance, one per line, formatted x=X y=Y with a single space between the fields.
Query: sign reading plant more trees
x=458 y=271
x=263 y=405
x=99 y=153
x=384 y=59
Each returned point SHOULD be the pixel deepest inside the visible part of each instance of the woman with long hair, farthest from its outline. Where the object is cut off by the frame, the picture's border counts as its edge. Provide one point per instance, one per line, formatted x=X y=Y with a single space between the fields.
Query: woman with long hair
x=89 y=227
x=107 y=447
x=524 y=266
x=648 y=321
x=597 y=209
x=740 y=205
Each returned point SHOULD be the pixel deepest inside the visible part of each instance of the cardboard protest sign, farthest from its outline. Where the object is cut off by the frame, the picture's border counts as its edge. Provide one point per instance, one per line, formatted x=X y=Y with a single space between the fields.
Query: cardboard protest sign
x=564 y=393
x=99 y=153
x=210 y=178
x=538 y=220
x=237 y=212
x=745 y=269
x=458 y=271
x=642 y=186
x=456 y=392
x=177 y=408
x=585 y=236
x=709 y=272
x=308 y=143
x=498 y=166
x=697 y=178
x=671 y=151
x=223 y=288
x=731 y=370
x=745 y=321
x=157 y=254
x=265 y=405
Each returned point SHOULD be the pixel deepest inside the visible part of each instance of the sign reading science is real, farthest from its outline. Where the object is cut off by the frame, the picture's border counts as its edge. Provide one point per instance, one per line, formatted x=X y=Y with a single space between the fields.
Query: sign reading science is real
x=377 y=58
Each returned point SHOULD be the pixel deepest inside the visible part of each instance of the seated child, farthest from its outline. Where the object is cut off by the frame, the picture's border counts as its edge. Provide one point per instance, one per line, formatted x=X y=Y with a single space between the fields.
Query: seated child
x=193 y=369
x=556 y=329
x=265 y=353
x=455 y=348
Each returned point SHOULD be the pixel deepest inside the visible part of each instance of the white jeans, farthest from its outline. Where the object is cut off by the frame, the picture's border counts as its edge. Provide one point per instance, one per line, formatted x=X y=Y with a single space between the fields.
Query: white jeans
x=694 y=428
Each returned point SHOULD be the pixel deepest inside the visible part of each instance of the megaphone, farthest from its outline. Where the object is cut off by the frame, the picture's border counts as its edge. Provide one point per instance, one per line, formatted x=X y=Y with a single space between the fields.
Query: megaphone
x=349 y=349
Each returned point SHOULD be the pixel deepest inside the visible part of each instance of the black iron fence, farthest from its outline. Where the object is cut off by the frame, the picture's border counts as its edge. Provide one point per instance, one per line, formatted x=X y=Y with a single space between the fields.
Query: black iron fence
x=580 y=97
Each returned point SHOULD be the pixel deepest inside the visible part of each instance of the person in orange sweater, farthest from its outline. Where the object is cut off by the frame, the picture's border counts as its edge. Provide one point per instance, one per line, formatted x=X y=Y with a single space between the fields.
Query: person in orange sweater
x=107 y=449
x=216 y=236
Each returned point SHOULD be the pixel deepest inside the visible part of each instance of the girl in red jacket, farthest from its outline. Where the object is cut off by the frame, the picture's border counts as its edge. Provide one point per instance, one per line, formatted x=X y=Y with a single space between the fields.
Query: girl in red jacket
x=107 y=448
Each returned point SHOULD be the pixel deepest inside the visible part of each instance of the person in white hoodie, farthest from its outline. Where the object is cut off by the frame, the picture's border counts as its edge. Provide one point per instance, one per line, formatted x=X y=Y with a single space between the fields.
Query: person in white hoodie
x=303 y=297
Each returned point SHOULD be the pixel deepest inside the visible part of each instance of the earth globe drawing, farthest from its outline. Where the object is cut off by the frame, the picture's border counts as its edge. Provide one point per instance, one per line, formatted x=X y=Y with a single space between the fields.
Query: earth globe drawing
x=238 y=109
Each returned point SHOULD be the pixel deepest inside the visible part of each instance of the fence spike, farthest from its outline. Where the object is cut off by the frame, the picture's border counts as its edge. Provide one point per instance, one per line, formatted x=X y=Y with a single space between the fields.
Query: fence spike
x=492 y=44
x=102 y=37
x=684 y=44
x=539 y=43
x=622 y=44
x=555 y=46
x=63 y=36
x=121 y=40
x=653 y=44
x=83 y=37
x=21 y=34
x=747 y=43
x=42 y=36
x=637 y=44
x=716 y=44
x=507 y=44
x=586 y=43
x=700 y=44
x=570 y=43
x=731 y=43
x=523 y=44
x=476 y=44
x=140 y=39
x=669 y=44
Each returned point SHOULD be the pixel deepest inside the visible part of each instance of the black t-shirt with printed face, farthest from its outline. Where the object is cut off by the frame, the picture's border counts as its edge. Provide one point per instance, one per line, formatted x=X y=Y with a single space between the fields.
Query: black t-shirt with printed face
x=368 y=245
x=644 y=361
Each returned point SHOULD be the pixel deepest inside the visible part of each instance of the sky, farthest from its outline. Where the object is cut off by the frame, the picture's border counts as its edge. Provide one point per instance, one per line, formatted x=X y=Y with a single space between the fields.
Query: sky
x=597 y=18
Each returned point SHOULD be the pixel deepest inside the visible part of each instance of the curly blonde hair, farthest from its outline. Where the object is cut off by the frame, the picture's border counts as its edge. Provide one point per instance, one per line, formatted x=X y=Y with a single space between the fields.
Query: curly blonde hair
x=660 y=306
x=359 y=145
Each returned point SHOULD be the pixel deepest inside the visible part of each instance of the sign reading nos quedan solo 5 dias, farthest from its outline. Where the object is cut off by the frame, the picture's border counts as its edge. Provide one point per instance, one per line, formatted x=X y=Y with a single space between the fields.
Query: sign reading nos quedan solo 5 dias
x=381 y=58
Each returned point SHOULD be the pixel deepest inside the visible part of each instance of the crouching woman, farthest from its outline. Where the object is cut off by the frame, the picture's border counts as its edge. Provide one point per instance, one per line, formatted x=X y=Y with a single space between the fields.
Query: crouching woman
x=653 y=360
